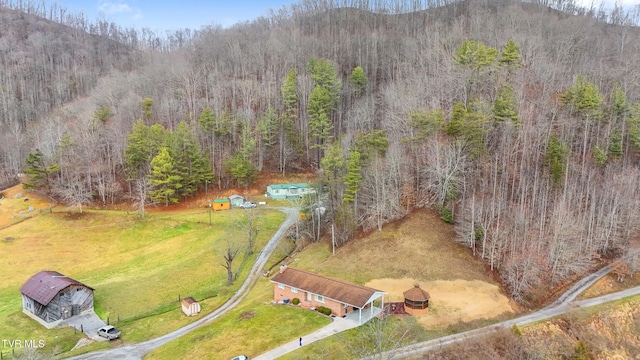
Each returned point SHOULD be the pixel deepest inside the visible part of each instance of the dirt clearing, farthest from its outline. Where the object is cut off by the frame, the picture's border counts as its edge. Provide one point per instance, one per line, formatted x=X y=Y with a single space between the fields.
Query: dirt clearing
x=452 y=301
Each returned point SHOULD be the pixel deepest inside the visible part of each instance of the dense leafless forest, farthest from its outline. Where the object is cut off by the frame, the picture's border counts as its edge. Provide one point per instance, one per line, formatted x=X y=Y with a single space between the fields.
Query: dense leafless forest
x=518 y=120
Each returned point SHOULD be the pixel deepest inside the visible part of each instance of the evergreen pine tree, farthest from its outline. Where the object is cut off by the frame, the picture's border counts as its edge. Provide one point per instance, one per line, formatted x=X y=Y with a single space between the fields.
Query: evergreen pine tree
x=505 y=107
x=353 y=177
x=510 y=55
x=164 y=178
x=359 y=80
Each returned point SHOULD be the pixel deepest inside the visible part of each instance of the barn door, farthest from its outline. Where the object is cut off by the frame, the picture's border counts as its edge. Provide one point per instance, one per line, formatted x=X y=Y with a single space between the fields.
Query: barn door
x=66 y=313
x=75 y=309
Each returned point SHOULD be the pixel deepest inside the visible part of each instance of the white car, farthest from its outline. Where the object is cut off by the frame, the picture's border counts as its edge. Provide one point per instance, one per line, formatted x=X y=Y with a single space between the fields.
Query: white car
x=247 y=205
x=241 y=357
x=109 y=332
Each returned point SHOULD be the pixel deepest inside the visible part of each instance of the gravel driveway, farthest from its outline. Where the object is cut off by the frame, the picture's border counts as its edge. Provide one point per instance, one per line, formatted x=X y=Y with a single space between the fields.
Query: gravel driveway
x=88 y=322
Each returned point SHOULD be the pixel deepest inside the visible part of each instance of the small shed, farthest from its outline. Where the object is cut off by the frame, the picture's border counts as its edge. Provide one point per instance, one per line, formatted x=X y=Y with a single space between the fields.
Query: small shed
x=221 y=204
x=190 y=306
x=50 y=297
x=236 y=200
x=416 y=301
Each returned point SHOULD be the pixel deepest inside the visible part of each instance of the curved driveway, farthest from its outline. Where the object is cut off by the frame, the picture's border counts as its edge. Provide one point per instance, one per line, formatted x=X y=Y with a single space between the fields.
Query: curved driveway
x=137 y=351
x=564 y=304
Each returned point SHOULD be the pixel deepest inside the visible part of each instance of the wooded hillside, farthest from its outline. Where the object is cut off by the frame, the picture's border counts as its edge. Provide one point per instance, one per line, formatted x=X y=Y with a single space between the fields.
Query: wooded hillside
x=518 y=121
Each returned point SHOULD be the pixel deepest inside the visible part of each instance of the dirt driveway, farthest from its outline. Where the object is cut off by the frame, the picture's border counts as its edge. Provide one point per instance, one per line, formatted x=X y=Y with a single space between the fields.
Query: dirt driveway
x=452 y=301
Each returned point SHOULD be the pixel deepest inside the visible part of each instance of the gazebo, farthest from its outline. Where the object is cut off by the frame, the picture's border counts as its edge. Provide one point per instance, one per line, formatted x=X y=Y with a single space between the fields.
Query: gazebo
x=416 y=301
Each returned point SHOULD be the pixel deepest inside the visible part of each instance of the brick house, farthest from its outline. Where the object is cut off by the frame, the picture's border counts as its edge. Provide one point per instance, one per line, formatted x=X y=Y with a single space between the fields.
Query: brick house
x=314 y=290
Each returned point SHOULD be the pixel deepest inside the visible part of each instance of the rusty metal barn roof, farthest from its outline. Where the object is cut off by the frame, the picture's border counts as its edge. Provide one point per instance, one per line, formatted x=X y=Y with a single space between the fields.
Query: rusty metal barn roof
x=45 y=285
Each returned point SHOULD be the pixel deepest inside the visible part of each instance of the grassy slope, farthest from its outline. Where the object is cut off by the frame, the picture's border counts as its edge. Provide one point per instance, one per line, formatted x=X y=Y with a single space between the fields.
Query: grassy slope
x=419 y=247
x=608 y=331
x=138 y=267
x=251 y=328
x=14 y=207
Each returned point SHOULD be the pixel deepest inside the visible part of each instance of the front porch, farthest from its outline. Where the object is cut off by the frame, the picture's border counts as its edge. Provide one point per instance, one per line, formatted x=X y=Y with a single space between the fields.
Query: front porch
x=362 y=316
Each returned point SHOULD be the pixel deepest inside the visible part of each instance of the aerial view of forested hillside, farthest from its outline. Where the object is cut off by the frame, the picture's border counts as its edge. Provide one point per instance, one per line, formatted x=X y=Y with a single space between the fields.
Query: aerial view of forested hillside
x=519 y=121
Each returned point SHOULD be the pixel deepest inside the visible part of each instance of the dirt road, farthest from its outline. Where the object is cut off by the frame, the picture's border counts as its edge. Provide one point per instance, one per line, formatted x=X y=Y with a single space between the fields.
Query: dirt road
x=564 y=304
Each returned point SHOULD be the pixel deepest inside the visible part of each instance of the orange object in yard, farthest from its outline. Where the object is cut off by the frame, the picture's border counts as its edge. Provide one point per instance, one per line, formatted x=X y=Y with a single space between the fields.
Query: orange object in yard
x=221 y=204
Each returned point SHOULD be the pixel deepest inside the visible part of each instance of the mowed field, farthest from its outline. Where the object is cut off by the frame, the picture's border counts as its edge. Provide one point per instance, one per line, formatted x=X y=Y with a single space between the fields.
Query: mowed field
x=417 y=249
x=138 y=267
x=14 y=207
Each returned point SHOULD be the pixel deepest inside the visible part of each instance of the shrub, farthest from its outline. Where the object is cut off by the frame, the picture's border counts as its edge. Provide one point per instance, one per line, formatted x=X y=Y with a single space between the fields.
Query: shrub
x=516 y=330
x=446 y=214
x=581 y=351
x=295 y=301
x=324 y=310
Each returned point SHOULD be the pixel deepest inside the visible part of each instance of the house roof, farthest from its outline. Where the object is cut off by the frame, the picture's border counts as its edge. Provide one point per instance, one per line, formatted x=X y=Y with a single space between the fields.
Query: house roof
x=335 y=289
x=221 y=200
x=45 y=285
x=235 y=197
x=416 y=294
x=289 y=186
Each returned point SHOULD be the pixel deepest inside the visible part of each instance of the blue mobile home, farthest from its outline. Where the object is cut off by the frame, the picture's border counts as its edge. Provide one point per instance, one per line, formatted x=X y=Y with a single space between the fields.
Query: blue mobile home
x=289 y=191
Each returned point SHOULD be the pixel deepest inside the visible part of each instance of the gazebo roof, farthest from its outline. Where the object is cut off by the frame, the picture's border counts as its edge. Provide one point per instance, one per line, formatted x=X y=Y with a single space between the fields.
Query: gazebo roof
x=416 y=294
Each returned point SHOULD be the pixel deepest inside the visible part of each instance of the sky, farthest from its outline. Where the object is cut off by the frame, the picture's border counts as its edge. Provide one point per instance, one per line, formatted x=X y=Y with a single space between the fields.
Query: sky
x=163 y=15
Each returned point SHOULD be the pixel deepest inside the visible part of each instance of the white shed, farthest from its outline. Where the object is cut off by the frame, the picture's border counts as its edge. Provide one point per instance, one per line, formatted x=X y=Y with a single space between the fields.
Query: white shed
x=236 y=200
x=190 y=306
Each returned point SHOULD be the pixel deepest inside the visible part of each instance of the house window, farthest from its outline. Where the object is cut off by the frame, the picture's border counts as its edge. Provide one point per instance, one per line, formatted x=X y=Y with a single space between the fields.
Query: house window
x=276 y=191
x=293 y=191
x=294 y=290
x=280 y=286
x=319 y=298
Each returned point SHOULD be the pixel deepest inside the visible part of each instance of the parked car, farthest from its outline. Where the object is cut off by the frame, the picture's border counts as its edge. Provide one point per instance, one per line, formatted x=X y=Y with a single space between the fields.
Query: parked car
x=241 y=357
x=247 y=205
x=109 y=332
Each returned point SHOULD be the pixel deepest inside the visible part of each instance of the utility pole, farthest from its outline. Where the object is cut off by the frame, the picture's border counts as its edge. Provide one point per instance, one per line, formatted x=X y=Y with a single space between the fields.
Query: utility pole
x=333 y=240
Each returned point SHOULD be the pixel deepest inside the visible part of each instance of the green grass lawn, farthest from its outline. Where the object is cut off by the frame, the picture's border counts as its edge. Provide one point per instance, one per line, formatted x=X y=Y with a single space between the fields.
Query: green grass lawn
x=141 y=267
x=366 y=340
x=420 y=246
x=138 y=267
x=251 y=328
